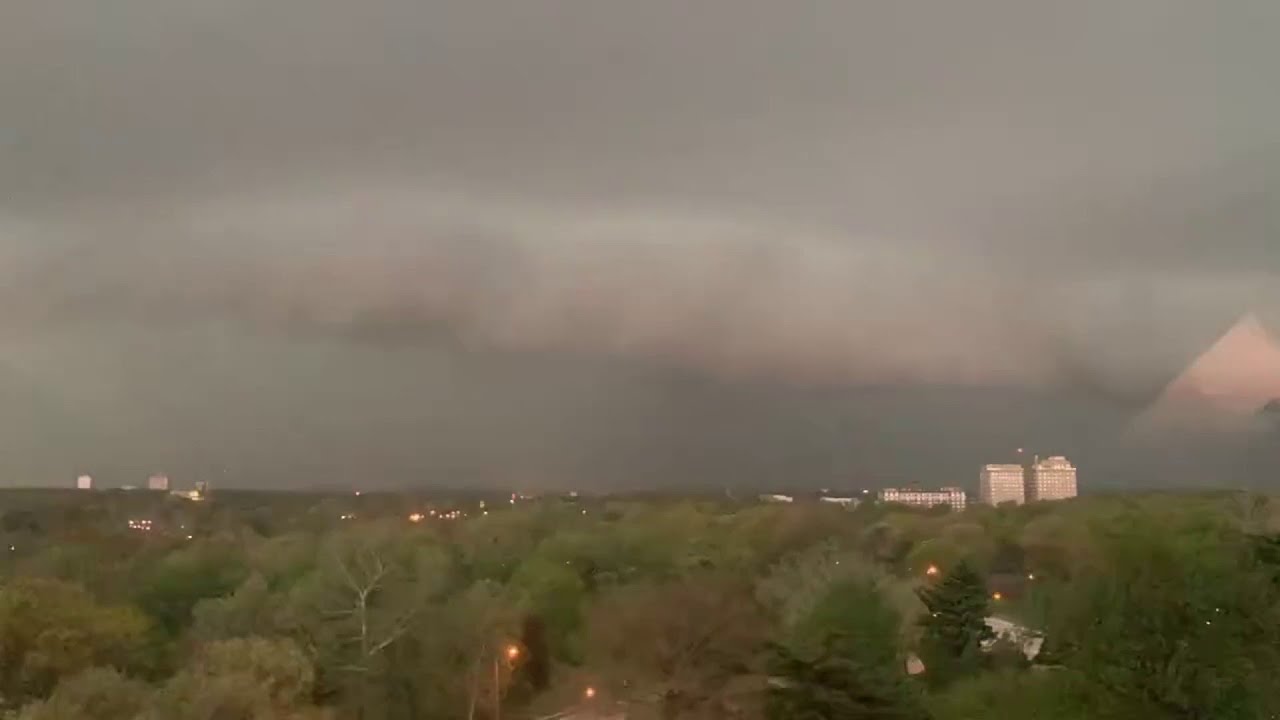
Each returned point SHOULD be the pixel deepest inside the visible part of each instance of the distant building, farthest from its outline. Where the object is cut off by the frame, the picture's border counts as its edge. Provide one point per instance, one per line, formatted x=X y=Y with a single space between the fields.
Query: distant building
x=1002 y=483
x=1052 y=479
x=84 y=482
x=202 y=488
x=158 y=482
x=843 y=501
x=777 y=498
x=952 y=496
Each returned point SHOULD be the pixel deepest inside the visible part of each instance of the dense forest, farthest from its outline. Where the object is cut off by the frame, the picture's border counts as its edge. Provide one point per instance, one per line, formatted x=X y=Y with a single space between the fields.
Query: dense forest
x=257 y=606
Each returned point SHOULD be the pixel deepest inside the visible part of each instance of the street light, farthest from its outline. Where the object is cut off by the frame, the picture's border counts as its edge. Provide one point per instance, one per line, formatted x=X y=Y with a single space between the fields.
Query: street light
x=513 y=653
x=931 y=571
x=589 y=693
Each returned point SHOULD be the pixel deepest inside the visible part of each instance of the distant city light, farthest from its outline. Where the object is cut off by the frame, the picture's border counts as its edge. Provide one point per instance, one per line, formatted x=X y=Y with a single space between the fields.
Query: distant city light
x=997 y=596
x=140 y=525
x=513 y=652
x=417 y=517
x=931 y=571
x=589 y=693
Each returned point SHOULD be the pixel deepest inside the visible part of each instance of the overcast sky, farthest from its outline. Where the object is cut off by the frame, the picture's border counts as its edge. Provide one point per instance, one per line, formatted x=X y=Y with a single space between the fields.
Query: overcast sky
x=617 y=243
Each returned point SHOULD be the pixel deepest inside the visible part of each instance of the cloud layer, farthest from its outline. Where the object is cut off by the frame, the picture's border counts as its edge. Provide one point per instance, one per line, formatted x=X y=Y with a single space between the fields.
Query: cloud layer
x=843 y=195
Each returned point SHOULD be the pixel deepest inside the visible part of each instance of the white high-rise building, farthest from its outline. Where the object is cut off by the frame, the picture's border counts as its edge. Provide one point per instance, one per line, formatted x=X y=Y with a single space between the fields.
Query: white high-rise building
x=952 y=496
x=1002 y=483
x=158 y=482
x=1053 y=478
x=84 y=482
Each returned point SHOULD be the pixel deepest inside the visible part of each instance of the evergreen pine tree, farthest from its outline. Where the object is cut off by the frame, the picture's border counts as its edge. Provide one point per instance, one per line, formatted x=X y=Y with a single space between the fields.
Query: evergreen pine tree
x=955 y=624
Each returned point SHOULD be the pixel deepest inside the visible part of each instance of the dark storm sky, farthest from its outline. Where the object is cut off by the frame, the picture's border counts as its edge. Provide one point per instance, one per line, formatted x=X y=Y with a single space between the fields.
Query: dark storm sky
x=610 y=244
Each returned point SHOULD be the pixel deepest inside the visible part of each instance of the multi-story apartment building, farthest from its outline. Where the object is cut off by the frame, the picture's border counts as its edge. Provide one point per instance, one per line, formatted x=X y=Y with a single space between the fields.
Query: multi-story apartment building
x=955 y=497
x=1053 y=478
x=1002 y=483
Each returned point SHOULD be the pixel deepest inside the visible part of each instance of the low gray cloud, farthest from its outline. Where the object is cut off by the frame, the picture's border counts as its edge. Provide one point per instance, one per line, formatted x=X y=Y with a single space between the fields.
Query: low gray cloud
x=732 y=296
x=994 y=197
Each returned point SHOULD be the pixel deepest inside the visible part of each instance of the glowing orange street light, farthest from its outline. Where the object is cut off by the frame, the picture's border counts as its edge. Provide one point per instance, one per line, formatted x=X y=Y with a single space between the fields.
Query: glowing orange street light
x=997 y=596
x=589 y=693
x=512 y=652
x=931 y=571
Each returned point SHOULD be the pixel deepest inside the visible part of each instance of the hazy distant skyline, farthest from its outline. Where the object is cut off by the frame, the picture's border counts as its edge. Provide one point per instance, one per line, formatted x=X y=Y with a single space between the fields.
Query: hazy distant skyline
x=617 y=243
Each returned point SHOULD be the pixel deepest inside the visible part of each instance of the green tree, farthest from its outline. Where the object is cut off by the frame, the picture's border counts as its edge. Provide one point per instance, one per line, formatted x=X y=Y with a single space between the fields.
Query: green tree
x=95 y=694
x=554 y=593
x=171 y=588
x=793 y=587
x=535 y=670
x=1014 y=694
x=251 y=610
x=50 y=630
x=954 y=623
x=369 y=595
x=1182 y=622
x=843 y=661
x=245 y=679
x=888 y=541
x=685 y=643
x=445 y=663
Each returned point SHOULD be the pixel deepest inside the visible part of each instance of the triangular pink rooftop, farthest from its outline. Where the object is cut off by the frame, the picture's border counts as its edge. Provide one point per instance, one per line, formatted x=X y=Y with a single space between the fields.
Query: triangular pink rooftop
x=1226 y=387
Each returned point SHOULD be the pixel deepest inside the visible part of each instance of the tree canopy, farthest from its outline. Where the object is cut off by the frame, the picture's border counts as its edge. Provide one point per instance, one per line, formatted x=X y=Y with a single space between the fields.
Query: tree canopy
x=402 y=606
